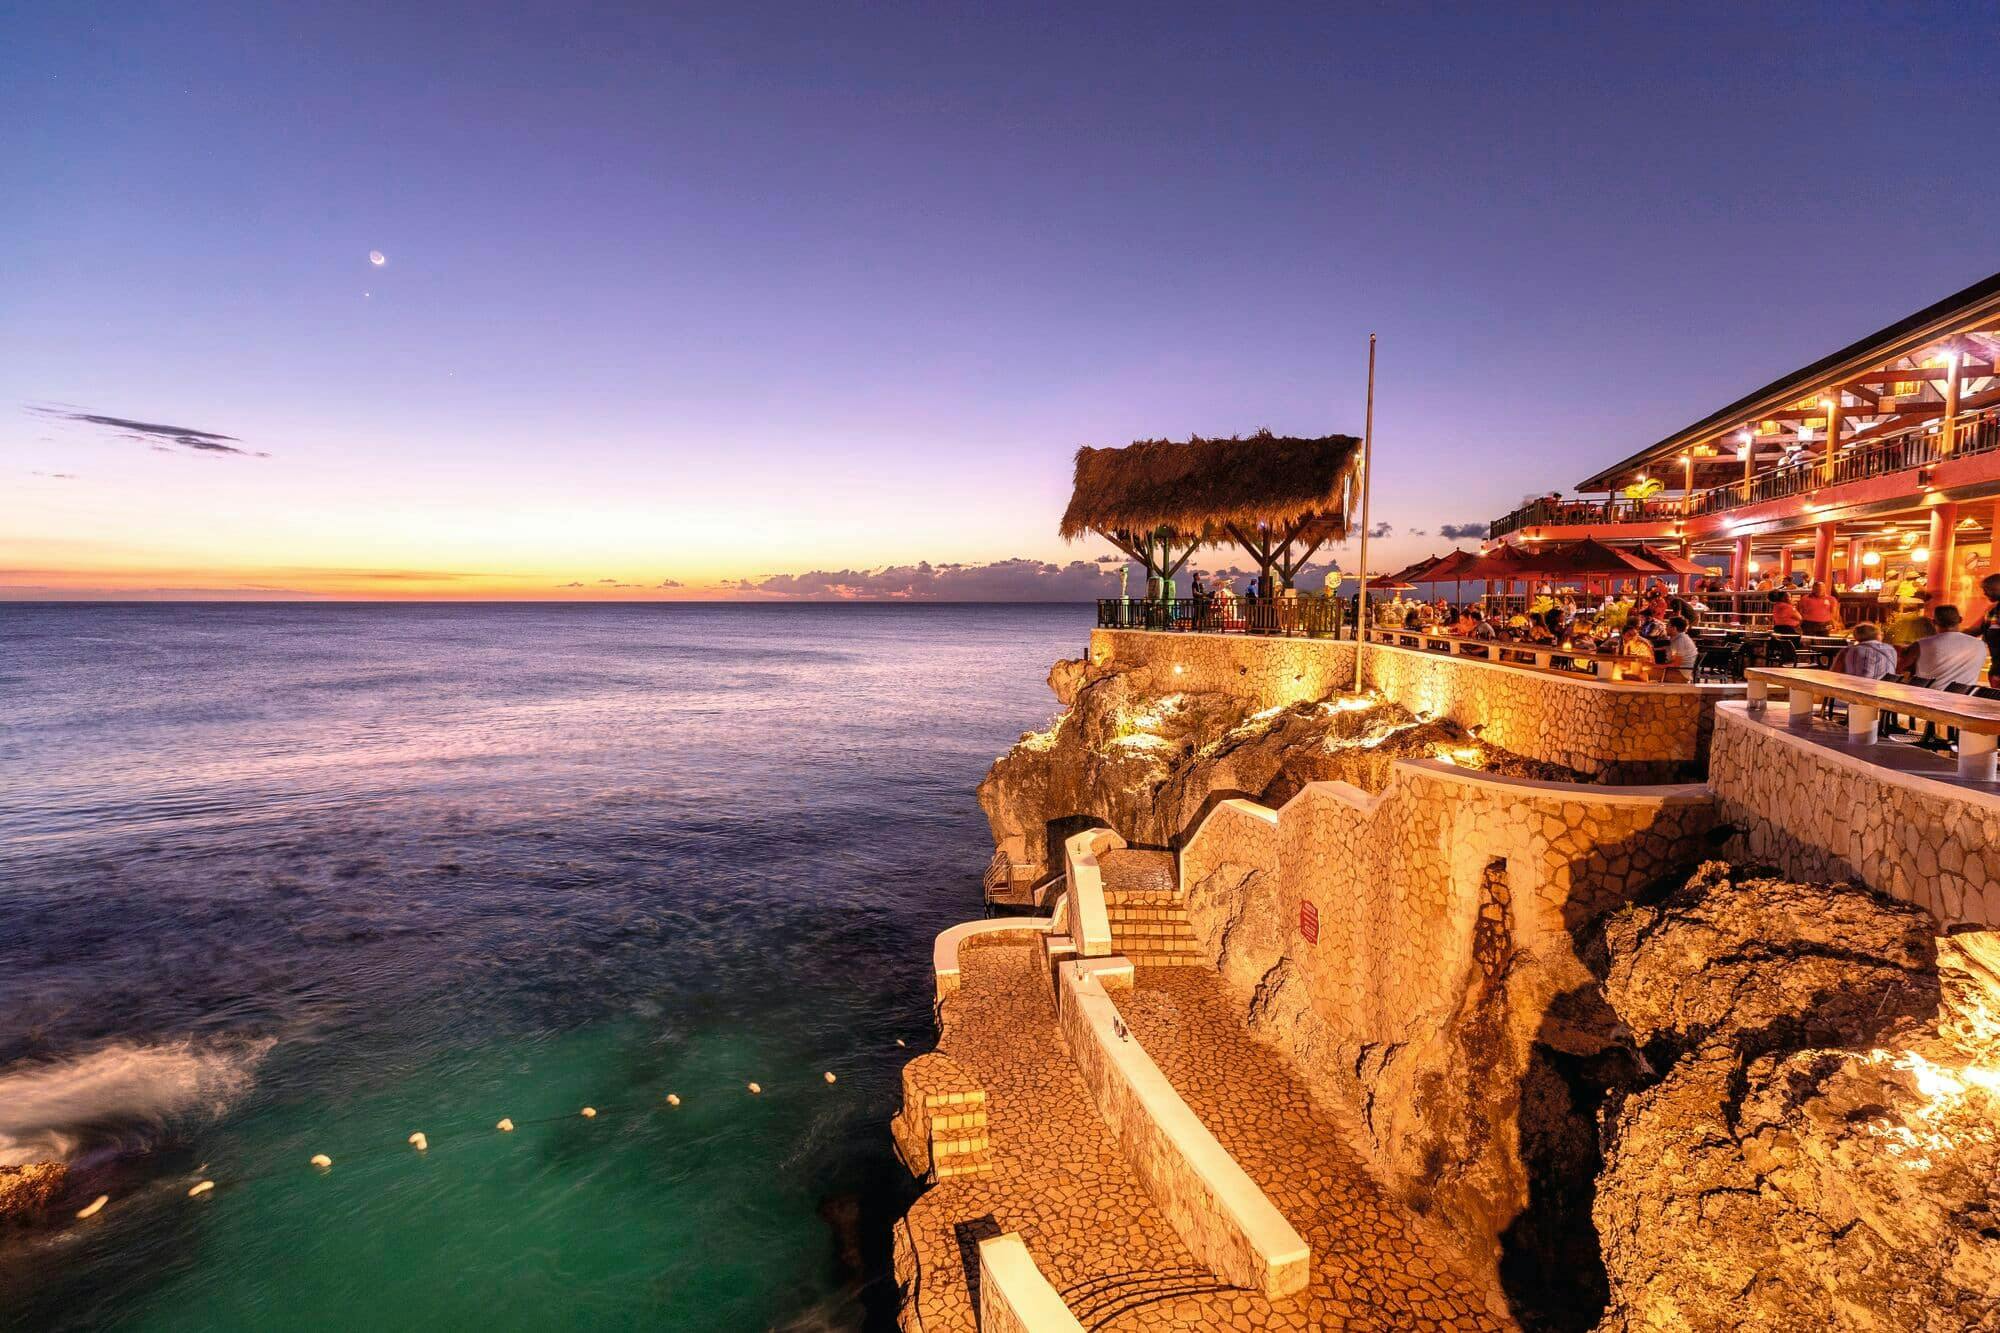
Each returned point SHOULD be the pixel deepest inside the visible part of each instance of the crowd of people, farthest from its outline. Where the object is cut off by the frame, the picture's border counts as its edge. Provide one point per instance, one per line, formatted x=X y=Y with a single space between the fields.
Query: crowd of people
x=1649 y=630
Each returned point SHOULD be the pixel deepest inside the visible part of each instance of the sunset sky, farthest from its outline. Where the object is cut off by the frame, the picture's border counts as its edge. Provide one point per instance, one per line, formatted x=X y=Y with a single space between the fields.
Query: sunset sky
x=675 y=303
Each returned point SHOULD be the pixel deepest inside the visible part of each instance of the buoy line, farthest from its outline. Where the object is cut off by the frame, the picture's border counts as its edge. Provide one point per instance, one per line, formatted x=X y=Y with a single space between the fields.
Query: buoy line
x=420 y=1141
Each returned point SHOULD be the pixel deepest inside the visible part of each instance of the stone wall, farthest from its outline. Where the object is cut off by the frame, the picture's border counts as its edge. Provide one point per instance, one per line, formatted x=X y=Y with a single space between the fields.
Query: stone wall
x=1819 y=814
x=1612 y=730
x=1014 y=1296
x=1219 y=1213
x=1412 y=952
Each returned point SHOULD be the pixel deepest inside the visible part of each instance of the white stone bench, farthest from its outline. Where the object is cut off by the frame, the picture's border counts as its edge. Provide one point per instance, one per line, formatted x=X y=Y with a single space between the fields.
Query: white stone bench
x=1977 y=720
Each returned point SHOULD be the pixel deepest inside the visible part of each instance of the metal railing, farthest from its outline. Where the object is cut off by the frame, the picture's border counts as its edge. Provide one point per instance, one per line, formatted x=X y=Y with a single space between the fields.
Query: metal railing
x=1918 y=447
x=1317 y=617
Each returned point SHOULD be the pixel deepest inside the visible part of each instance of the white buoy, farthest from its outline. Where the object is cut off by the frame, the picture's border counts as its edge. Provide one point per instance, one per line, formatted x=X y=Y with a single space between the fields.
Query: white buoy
x=94 y=1207
x=321 y=1160
x=419 y=1142
x=589 y=1112
x=673 y=1099
x=201 y=1189
x=755 y=1087
x=829 y=1076
x=505 y=1126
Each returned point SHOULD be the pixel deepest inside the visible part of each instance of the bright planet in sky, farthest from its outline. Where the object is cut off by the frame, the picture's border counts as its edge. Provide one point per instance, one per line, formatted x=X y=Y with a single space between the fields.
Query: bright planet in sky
x=377 y=258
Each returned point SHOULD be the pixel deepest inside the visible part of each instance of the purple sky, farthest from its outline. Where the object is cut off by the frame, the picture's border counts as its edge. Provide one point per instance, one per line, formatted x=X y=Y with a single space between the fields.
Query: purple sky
x=692 y=298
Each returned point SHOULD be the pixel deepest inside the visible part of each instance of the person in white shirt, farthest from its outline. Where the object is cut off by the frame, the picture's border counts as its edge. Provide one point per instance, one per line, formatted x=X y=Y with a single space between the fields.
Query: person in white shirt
x=1949 y=657
x=1867 y=656
x=1681 y=650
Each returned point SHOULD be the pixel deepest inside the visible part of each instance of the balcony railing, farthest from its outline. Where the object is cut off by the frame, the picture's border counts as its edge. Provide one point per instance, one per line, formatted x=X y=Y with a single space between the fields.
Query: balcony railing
x=1560 y=513
x=1976 y=433
x=1318 y=617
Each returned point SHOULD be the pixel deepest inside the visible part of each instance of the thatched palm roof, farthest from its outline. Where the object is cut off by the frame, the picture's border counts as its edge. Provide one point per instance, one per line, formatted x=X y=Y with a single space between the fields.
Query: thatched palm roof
x=1204 y=487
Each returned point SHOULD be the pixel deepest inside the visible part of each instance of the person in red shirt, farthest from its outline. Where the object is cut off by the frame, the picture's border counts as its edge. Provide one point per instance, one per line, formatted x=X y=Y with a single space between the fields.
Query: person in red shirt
x=1817 y=611
x=1785 y=617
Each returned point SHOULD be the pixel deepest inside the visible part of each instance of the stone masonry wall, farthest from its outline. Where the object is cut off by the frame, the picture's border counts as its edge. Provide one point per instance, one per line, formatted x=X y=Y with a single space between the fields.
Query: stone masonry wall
x=1610 y=729
x=1818 y=814
x=1446 y=910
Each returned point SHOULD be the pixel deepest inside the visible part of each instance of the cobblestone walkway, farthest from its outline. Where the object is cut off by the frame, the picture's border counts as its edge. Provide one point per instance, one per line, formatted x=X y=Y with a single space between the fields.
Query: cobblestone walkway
x=1370 y=1268
x=1060 y=1181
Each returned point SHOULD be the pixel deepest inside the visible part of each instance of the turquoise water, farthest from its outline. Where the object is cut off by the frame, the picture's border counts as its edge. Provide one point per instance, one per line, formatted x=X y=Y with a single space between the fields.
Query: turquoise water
x=285 y=880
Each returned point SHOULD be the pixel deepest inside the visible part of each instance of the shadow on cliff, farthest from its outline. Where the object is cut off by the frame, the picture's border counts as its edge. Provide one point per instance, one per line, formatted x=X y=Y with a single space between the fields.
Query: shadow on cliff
x=1580 y=1065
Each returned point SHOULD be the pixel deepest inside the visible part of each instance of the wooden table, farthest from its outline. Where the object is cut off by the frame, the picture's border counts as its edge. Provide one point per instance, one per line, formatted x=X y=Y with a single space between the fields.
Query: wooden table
x=1977 y=720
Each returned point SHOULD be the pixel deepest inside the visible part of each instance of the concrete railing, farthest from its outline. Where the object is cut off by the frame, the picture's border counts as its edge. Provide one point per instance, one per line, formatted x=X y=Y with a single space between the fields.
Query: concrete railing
x=944 y=951
x=1014 y=1297
x=1219 y=1213
x=1089 y=923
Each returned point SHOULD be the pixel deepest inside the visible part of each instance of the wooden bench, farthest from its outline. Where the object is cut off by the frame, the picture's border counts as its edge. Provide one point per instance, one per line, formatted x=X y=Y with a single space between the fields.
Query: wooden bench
x=1977 y=720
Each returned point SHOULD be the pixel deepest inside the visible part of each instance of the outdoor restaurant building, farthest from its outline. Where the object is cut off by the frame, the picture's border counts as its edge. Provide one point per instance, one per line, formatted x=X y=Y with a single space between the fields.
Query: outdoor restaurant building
x=1875 y=467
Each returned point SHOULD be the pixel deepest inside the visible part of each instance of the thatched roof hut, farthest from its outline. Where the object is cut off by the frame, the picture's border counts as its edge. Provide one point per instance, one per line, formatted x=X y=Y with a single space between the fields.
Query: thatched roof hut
x=1277 y=496
x=1205 y=487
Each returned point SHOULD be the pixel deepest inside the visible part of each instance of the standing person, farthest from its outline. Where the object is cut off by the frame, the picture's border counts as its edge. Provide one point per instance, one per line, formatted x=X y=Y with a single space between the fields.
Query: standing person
x=1817 y=611
x=1785 y=618
x=1949 y=657
x=1989 y=624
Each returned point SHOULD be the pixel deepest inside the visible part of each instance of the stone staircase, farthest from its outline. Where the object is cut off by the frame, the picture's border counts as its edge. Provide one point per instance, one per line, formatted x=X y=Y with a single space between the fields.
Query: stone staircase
x=941 y=1130
x=1149 y=924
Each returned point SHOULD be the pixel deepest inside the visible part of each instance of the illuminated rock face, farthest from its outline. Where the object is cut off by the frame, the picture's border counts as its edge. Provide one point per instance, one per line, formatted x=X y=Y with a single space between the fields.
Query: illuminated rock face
x=1137 y=753
x=1819 y=1148
x=26 y=1190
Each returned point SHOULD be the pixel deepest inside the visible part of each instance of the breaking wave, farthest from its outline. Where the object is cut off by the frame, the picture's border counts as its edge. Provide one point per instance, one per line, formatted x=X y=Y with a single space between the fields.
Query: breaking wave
x=124 y=1097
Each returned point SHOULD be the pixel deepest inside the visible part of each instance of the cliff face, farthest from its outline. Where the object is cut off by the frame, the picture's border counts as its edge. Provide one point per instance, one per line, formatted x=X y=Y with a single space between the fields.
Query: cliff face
x=1819 y=1148
x=1133 y=751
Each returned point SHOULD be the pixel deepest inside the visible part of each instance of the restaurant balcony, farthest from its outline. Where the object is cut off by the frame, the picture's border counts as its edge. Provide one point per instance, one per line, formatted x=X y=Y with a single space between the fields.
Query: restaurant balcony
x=1907 y=452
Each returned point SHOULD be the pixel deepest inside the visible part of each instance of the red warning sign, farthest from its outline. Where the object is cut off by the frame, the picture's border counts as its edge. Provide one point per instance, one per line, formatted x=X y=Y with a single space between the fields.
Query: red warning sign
x=1309 y=922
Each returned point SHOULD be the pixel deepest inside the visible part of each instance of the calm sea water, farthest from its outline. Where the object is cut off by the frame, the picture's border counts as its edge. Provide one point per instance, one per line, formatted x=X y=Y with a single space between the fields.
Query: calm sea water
x=283 y=880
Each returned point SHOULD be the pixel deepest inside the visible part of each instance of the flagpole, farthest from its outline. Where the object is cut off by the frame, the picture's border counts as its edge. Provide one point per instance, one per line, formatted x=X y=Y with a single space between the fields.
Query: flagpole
x=1367 y=486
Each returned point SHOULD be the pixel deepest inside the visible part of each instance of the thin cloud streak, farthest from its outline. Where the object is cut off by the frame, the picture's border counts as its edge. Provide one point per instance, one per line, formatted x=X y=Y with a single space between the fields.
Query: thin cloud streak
x=158 y=435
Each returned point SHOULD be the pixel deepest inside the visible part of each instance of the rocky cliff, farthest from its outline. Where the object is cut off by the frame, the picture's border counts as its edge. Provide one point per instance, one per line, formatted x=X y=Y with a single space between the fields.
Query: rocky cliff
x=1133 y=751
x=1814 y=1145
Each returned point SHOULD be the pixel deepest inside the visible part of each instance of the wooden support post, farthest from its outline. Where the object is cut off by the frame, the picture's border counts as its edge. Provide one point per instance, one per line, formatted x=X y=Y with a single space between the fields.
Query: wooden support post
x=1832 y=448
x=1739 y=570
x=1943 y=539
x=1855 y=571
x=1785 y=555
x=1822 y=570
x=1948 y=428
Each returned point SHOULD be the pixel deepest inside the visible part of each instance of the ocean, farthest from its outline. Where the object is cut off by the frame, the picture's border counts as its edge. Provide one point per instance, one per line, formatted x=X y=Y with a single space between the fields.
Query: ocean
x=279 y=880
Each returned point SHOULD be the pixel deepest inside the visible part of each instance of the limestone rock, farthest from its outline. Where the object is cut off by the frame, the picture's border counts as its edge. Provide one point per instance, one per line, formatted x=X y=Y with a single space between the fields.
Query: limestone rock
x=1820 y=1149
x=26 y=1190
x=1136 y=753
